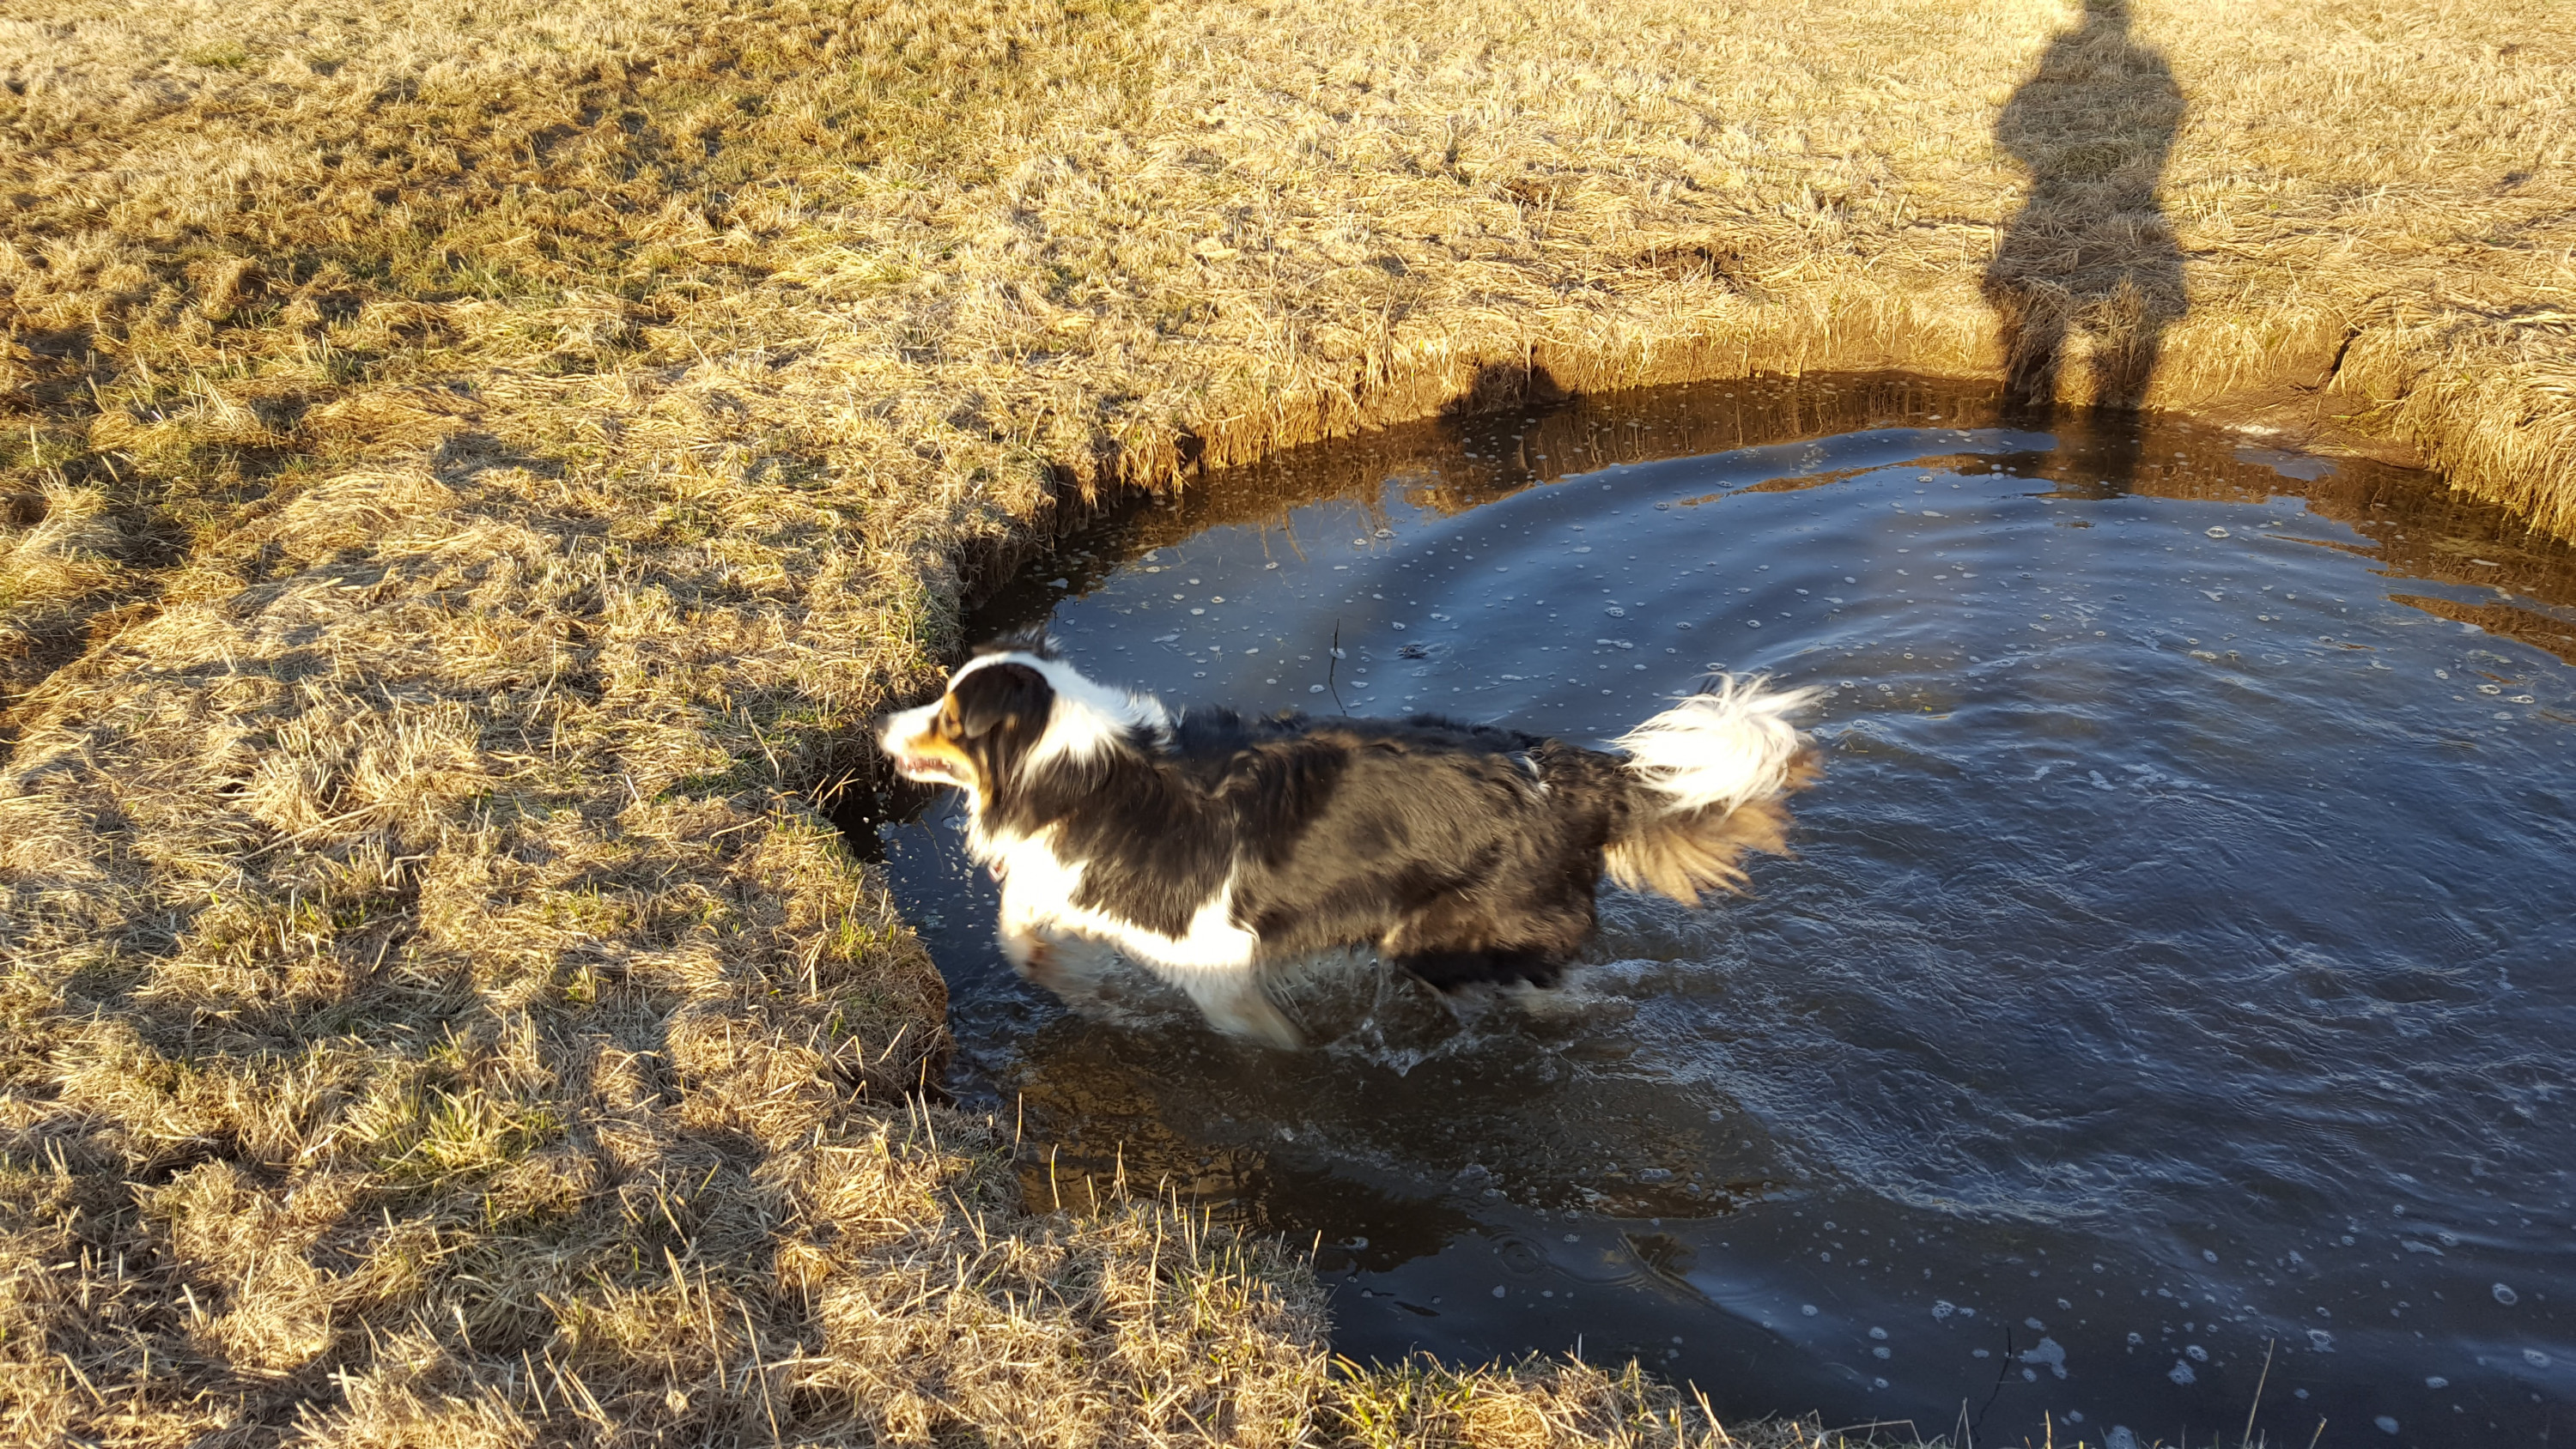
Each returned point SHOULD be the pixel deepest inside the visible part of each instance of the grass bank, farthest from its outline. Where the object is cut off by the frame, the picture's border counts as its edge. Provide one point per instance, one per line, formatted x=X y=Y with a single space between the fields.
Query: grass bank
x=471 y=469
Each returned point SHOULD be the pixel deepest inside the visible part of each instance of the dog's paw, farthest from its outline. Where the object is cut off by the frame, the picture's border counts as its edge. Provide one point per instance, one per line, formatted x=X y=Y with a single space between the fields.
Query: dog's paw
x=1033 y=956
x=1249 y=1014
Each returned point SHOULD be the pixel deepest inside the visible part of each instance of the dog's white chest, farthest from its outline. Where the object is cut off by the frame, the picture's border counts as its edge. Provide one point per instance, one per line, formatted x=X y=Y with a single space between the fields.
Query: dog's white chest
x=1038 y=890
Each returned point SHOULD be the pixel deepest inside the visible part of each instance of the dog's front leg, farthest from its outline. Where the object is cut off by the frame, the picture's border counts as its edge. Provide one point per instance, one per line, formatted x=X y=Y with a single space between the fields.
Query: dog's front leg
x=1026 y=945
x=1234 y=1003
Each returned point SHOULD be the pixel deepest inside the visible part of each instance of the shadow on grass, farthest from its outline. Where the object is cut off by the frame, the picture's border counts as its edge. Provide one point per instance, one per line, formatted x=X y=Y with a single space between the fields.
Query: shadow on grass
x=2090 y=254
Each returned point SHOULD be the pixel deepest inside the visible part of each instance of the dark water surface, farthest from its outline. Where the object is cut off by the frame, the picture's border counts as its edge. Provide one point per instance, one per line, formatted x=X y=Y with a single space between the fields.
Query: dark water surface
x=2176 y=968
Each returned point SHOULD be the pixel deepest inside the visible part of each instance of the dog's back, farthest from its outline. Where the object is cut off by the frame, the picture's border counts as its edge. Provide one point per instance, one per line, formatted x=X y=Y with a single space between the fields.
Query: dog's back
x=1465 y=852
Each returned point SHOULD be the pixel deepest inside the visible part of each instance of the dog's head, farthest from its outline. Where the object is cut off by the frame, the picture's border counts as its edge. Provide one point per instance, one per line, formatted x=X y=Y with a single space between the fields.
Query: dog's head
x=977 y=733
x=1005 y=713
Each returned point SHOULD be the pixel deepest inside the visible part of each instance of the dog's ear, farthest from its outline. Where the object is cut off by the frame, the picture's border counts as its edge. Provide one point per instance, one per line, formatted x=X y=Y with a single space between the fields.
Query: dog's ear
x=1002 y=694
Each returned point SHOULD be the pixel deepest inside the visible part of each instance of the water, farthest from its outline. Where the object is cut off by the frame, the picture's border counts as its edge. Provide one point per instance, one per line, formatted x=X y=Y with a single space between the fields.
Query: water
x=2175 y=970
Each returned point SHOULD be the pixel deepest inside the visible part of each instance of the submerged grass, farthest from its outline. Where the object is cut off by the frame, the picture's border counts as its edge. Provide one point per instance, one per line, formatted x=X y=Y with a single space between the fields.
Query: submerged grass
x=470 y=469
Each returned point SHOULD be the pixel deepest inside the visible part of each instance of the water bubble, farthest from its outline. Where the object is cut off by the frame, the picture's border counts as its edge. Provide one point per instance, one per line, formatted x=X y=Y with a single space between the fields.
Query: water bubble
x=1878 y=1333
x=2506 y=1296
x=1944 y=1308
x=2049 y=1352
x=1808 y=1309
x=2208 y=1255
x=2320 y=1340
x=2535 y=1358
x=2437 y=1382
x=2218 y=533
x=2181 y=1373
x=2386 y=1424
x=2196 y=1353
x=1500 y=1290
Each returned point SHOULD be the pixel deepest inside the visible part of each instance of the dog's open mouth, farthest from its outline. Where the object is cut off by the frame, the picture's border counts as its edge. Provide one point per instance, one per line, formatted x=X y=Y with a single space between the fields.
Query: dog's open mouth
x=928 y=768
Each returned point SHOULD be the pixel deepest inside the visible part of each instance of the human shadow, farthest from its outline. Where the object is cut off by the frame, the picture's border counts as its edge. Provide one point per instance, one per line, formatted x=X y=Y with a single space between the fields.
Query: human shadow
x=2090 y=254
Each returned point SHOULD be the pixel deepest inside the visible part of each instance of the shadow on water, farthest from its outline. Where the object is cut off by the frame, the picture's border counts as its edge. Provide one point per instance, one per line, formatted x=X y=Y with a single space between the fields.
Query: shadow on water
x=2164 y=1005
x=2090 y=252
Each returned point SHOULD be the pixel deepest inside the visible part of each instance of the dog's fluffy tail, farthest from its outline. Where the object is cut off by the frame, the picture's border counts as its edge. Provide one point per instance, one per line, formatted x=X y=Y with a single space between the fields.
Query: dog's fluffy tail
x=1711 y=776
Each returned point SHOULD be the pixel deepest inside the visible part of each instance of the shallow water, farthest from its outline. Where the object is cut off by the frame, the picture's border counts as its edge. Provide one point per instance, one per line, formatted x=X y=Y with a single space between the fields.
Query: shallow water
x=2174 y=971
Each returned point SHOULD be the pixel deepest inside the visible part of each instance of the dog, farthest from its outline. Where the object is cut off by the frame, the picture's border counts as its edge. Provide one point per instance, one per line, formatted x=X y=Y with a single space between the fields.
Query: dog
x=1212 y=848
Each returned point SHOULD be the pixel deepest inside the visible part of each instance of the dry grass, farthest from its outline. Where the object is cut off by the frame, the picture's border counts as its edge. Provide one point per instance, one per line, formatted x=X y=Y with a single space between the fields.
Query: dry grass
x=470 y=469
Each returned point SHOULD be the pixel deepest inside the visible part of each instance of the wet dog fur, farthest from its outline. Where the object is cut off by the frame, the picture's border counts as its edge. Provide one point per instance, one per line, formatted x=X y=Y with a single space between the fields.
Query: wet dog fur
x=1212 y=848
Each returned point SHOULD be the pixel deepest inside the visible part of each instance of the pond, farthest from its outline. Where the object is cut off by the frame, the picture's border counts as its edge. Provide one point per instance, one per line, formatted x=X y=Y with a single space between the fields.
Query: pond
x=2163 y=1026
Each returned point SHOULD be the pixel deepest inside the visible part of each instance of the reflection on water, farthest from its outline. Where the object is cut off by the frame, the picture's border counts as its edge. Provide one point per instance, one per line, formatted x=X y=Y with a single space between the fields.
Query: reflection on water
x=2173 y=973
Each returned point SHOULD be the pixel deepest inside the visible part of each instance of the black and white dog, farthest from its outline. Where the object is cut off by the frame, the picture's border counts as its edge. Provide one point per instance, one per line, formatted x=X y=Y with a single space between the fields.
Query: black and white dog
x=1208 y=847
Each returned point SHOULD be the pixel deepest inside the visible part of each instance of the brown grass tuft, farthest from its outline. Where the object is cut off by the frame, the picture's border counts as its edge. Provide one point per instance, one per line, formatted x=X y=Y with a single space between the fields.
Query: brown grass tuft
x=1539 y=1405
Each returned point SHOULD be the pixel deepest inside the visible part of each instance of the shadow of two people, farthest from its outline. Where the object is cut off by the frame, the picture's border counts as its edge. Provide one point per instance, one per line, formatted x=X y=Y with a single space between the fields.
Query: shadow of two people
x=2090 y=253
